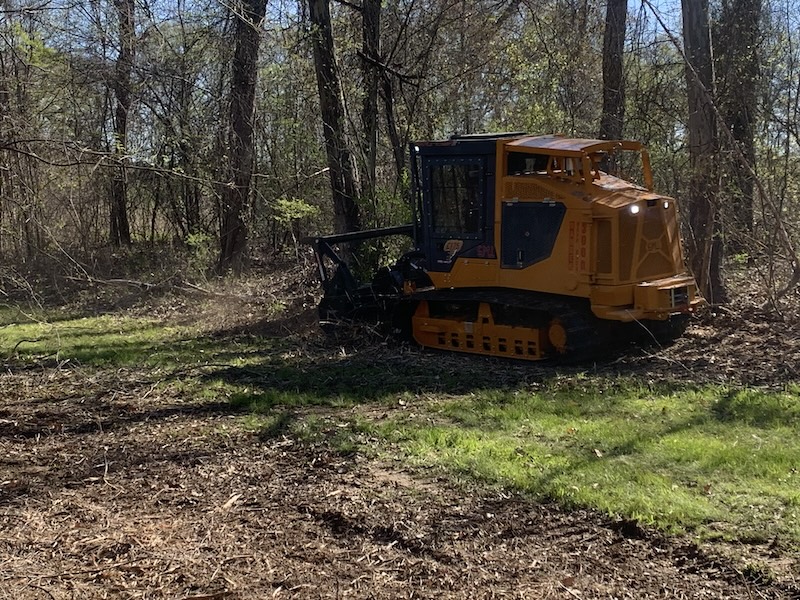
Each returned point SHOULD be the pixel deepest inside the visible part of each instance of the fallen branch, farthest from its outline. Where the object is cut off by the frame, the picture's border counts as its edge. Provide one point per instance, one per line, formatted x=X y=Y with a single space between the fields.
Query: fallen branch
x=70 y=574
x=184 y=287
x=191 y=287
x=22 y=341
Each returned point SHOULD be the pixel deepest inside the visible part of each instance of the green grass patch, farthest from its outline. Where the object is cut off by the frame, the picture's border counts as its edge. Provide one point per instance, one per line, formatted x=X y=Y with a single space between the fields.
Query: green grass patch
x=711 y=459
x=719 y=460
x=118 y=340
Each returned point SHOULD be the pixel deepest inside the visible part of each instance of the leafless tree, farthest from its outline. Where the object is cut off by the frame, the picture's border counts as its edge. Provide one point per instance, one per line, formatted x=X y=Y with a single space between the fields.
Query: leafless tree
x=704 y=242
x=613 y=117
x=340 y=160
x=120 y=231
x=737 y=40
x=233 y=229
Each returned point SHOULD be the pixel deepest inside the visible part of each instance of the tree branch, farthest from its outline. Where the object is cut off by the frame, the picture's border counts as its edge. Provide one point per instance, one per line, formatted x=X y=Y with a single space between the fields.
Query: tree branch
x=782 y=231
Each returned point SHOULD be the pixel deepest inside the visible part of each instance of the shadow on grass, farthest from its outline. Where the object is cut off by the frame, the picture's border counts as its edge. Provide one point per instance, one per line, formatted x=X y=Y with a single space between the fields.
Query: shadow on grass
x=367 y=378
x=756 y=408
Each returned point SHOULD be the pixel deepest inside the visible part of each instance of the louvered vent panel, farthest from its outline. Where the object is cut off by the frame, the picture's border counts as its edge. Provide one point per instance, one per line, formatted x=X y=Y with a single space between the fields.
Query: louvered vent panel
x=525 y=190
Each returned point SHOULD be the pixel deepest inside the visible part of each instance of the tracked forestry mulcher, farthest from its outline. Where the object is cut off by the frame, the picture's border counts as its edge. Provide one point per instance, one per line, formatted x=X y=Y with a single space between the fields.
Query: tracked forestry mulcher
x=523 y=247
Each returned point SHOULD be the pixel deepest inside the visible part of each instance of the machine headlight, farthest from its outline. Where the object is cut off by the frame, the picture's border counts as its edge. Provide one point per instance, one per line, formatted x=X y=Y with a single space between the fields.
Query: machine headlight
x=635 y=209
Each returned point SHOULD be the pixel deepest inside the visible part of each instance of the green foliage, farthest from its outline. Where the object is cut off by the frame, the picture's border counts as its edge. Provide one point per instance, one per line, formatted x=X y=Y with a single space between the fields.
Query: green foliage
x=373 y=254
x=203 y=254
x=289 y=210
x=740 y=259
x=32 y=47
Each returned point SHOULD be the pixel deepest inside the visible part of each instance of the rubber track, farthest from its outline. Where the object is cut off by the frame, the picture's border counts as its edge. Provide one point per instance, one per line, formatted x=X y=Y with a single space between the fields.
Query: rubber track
x=587 y=336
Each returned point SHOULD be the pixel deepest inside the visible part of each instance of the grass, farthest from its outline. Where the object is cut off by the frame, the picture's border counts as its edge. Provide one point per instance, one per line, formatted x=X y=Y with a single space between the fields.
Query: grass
x=709 y=458
x=115 y=340
x=717 y=460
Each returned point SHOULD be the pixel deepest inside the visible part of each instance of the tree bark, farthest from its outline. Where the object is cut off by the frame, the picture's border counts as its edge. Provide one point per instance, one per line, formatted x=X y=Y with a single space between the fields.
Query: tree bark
x=613 y=117
x=120 y=232
x=398 y=147
x=704 y=245
x=371 y=37
x=244 y=75
x=340 y=163
x=737 y=64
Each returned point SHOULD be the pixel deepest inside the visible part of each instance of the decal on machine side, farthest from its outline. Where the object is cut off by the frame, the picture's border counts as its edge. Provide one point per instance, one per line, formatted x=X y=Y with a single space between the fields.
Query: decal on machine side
x=578 y=257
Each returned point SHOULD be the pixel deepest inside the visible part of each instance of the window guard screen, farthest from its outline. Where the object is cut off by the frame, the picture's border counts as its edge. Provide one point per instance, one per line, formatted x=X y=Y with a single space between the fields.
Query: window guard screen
x=456 y=197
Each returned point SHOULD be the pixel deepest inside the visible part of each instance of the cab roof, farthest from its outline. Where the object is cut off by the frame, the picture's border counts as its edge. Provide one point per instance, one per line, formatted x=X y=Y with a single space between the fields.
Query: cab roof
x=563 y=146
x=551 y=145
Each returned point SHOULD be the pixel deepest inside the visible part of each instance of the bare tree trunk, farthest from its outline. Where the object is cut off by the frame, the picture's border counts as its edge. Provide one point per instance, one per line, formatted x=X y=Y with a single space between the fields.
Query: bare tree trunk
x=704 y=240
x=340 y=162
x=613 y=117
x=233 y=232
x=371 y=34
x=398 y=147
x=737 y=66
x=120 y=232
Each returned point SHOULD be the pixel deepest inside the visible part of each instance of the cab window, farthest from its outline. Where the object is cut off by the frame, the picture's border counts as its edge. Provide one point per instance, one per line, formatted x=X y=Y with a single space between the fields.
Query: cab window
x=456 y=198
x=522 y=163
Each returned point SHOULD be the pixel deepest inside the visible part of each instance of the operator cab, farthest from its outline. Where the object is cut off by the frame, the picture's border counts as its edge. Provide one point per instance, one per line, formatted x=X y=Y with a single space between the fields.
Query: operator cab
x=454 y=186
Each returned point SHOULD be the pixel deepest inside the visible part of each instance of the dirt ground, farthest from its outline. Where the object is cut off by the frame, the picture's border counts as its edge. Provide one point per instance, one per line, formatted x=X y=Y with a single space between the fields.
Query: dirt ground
x=112 y=486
